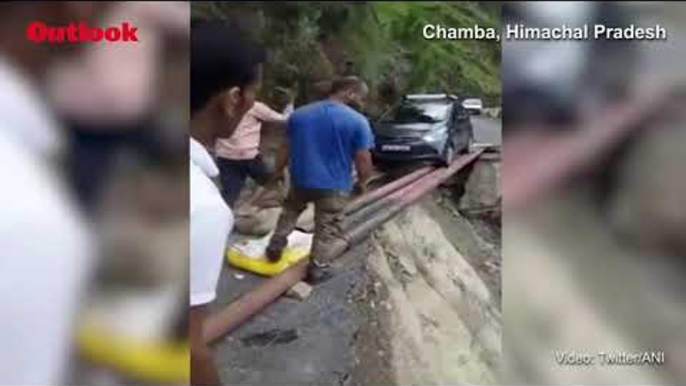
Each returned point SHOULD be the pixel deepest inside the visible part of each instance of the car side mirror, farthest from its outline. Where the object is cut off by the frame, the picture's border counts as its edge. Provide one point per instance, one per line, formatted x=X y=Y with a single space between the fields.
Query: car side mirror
x=473 y=105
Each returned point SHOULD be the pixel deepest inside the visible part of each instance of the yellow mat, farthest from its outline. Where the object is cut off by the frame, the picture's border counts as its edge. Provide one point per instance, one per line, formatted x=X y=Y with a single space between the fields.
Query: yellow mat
x=154 y=362
x=261 y=266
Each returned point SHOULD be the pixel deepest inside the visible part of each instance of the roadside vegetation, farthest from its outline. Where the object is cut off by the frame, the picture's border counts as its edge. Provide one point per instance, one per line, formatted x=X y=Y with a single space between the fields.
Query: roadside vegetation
x=309 y=42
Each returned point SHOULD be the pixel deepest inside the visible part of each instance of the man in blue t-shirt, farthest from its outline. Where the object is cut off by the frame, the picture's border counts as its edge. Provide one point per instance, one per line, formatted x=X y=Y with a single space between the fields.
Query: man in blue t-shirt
x=326 y=138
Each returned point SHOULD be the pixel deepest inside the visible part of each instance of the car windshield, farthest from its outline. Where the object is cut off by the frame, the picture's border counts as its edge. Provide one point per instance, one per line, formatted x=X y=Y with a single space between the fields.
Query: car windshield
x=417 y=112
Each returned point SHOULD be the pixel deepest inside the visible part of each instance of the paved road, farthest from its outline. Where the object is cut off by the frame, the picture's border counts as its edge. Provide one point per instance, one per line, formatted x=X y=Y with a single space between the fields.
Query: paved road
x=295 y=342
x=487 y=130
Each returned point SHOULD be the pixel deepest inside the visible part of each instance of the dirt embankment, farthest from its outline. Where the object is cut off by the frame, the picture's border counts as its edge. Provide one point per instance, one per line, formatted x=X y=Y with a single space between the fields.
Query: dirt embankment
x=433 y=295
x=418 y=303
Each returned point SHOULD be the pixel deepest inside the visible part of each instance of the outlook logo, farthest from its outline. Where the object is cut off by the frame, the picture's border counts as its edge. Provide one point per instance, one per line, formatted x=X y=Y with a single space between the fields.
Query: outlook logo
x=39 y=32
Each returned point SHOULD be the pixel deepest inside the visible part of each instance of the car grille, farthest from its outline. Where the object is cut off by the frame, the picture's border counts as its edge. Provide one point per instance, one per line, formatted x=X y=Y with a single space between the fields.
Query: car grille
x=398 y=138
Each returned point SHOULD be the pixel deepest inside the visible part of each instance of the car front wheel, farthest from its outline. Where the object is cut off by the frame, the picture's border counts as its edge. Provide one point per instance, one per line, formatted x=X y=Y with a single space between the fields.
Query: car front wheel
x=449 y=154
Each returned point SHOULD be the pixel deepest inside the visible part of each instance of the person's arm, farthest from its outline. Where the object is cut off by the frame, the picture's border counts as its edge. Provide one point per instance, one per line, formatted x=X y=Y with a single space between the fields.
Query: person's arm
x=211 y=221
x=265 y=114
x=363 y=142
x=284 y=152
x=281 y=160
x=364 y=168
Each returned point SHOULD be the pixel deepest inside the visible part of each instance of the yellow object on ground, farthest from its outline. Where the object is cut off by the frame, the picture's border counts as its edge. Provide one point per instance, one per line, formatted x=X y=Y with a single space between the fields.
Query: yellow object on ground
x=260 y=265
x=249 y=255
x=152 y=362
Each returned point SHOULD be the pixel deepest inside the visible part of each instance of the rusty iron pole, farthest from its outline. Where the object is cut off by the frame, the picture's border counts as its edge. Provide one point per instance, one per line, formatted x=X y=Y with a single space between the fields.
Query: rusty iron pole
x=384 y=190
x=536 y=165
x=409 y=196
x=387 y=203
x=351 y=220
x=236 y=313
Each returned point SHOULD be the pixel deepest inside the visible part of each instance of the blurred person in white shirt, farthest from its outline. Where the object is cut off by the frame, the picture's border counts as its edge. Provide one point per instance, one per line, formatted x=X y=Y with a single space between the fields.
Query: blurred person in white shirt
x=225 y=76
x=46 y=252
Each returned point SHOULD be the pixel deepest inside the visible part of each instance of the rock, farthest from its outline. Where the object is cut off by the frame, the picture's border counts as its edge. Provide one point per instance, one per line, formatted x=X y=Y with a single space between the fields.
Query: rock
x=259 y=223
x=300 y=291
x=482 y=187
x=273 y=197
x=263 y=220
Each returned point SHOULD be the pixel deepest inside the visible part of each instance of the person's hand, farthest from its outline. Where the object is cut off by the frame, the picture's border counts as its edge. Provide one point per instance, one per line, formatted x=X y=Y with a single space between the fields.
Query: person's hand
x=277 y=177
x=246 y=210
x=359 y=189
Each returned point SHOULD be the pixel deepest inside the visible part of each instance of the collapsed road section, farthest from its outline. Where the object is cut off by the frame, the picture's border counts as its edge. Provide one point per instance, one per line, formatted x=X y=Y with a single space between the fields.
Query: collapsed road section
x=340 y=333
x=356 y=226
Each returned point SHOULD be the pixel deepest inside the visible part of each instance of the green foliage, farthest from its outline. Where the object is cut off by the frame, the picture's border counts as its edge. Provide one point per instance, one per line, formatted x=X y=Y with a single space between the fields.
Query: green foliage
x=463 y=67
x=380 y=41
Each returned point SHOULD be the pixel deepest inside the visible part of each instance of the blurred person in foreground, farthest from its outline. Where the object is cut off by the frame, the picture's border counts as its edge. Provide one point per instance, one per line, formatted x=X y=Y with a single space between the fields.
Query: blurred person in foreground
x=225 y=75
x=325 y=139
x=239 y=156
x=46 y=249
x=107 y=96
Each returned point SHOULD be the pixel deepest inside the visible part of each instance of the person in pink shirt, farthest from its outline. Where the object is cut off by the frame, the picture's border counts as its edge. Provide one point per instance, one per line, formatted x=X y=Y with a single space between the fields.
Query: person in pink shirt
x=239 y=156
x=108 y=97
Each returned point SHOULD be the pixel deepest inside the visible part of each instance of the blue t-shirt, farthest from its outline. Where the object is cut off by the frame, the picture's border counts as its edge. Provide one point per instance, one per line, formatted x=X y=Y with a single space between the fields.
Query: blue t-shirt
x=324 y=137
